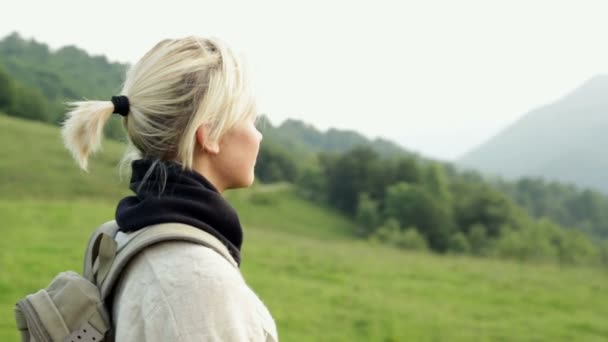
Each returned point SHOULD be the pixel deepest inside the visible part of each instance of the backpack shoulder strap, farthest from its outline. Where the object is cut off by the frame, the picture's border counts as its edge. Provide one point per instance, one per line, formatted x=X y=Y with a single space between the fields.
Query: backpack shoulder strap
x=143 y=238
x=93 y=247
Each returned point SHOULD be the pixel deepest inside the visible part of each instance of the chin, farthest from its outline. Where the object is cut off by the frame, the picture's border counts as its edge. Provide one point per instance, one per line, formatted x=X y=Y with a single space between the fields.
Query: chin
x=250 y=181
x=243 y=183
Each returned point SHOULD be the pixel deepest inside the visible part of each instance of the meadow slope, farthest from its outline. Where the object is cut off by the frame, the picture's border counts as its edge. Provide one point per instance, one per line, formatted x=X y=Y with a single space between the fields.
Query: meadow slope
x=319 y=282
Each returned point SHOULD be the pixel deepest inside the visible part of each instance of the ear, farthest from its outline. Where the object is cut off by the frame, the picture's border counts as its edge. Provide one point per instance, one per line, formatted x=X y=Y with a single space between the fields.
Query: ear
x=204 y=143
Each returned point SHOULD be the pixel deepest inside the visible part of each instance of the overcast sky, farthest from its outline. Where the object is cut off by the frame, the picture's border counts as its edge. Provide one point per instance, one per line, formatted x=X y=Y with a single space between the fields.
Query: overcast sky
x=438 y=77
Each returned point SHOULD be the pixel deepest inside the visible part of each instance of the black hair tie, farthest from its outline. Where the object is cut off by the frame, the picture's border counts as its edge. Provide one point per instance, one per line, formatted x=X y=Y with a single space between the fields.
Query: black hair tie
x=121 y=105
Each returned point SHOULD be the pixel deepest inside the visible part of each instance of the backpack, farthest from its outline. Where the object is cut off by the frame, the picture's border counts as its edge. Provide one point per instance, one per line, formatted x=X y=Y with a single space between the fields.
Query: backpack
x=75 y=308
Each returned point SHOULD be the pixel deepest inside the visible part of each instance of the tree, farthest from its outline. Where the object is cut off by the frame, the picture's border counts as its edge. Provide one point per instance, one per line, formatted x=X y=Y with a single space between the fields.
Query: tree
x=437 y=183
x=603 y=251
x=412 y=239
x=406 y=169
x=414 y=206
x=575 y=248
x=459 y=243
x=7 y=92
x=311 y=184
x=29 y=104
x=480 y=204
x=478 y=239
x=367 y=214
x=350 y=174
x=536 y=242
x=274 y=164
x=388 y=232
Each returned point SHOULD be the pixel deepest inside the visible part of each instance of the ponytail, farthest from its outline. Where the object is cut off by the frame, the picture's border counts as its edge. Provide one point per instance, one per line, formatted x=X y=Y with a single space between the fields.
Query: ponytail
x=83 y=129
x=178 y=86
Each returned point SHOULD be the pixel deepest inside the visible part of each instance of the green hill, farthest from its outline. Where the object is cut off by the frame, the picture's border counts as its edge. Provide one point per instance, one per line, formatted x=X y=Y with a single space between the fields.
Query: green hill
x=563 y=141
x=319 y=283
x=303 y=137
x=34 y=164
x=66 y=74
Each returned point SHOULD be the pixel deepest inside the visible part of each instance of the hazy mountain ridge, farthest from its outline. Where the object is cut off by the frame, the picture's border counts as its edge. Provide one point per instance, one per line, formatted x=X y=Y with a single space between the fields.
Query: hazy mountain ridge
x=563 y=141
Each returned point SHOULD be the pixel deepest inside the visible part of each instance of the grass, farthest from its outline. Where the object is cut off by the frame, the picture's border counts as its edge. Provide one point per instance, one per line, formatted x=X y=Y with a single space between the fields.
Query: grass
x=337 y=289
x=319 y=283
x=34 y=164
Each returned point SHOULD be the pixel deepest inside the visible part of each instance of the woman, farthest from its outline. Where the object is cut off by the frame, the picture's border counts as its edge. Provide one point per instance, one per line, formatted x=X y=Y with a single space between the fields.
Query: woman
x=189 y=114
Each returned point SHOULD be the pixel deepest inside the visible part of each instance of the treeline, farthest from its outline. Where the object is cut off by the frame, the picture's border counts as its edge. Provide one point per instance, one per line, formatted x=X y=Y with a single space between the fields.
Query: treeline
x=584 y=209
x=35 y=82
x=333 y=140
x=419 y=204
x=21 y=101
x=285 y=157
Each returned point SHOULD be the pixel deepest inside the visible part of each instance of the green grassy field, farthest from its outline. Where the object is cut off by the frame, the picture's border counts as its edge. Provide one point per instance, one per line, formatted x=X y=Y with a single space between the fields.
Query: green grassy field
x=319 y=283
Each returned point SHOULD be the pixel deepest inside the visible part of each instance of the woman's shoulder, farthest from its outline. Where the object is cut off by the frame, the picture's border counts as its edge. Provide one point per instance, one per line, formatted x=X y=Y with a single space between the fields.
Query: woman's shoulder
x=164 y=234
x=184 y=289
x=182 y=263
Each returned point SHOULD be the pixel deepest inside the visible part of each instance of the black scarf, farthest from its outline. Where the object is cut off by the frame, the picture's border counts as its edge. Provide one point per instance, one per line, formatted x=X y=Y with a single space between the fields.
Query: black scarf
x=187 y=198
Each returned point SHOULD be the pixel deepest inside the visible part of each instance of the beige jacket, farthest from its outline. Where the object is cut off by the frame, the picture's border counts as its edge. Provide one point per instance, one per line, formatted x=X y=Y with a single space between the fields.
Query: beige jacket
x=178 y=291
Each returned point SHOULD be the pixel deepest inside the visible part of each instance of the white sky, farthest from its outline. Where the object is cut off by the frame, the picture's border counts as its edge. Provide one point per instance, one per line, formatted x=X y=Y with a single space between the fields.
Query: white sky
x=438 y=77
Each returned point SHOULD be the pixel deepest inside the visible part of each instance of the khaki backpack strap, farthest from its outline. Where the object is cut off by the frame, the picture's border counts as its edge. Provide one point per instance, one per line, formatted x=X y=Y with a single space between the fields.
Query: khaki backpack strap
x=156 y=234
x=105 y=257
x=90 y=269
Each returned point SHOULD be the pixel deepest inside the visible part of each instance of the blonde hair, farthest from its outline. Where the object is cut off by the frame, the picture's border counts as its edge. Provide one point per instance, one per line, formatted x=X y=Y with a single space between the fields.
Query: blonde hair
x=176 y=87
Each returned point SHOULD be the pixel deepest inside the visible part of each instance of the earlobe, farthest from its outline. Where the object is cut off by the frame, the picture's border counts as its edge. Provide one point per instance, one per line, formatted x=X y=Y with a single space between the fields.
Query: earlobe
x=211 y=147
x=204 y=143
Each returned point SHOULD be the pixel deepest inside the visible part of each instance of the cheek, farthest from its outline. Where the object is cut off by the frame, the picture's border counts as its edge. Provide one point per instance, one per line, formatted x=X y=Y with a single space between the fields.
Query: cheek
x=239 y=160
x=251 y=143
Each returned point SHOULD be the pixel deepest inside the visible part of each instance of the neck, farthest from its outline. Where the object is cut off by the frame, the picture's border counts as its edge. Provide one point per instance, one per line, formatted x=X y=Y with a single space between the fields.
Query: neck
x=203 y=166
x=187 y=197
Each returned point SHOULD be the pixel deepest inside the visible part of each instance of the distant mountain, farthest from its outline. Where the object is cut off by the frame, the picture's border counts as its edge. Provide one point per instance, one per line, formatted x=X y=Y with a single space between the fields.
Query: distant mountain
x=564 y=141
